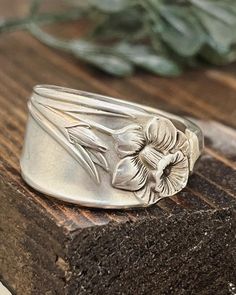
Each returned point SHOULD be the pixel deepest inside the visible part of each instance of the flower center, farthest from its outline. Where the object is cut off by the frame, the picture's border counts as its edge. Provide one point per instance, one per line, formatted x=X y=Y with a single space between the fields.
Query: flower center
x=167 y=171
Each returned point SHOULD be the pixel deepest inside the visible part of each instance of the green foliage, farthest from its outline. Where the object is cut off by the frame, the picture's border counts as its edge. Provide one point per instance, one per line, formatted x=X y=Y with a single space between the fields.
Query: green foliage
x=159 y=36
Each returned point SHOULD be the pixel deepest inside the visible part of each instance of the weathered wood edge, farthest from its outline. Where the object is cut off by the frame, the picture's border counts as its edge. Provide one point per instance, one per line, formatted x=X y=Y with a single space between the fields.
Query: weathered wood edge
x=54 y=261
x=32 y=244
x=186 y=253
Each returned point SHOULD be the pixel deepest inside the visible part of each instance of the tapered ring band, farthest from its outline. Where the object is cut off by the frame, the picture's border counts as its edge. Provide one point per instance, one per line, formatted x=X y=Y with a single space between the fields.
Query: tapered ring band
x=103 y=152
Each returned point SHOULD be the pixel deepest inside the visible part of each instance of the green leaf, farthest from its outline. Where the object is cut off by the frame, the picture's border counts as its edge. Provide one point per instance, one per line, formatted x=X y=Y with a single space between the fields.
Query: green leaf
x=120 y=24
x=180 y=30
x=109 y=63
x=226 y=12
x=97 y=56
x=147 y=59
x=109 y=5
x=220 y=34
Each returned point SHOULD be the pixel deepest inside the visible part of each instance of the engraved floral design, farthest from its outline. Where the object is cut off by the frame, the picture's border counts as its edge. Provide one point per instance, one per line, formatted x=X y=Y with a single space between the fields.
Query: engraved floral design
x=81 y=134
x=153 y=161
x=90 y=146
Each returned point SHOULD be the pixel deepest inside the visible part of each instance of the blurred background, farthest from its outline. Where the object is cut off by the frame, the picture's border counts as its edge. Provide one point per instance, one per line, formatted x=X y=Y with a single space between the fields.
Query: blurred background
x=150 y=52
x=121 y=36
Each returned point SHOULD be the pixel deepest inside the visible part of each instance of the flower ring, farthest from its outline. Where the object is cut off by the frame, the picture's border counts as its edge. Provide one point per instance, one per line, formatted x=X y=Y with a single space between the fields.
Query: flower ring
x=103 y=152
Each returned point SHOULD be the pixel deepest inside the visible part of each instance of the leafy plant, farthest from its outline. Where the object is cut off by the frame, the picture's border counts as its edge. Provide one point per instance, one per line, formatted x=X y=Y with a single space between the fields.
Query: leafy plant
x=160 y=36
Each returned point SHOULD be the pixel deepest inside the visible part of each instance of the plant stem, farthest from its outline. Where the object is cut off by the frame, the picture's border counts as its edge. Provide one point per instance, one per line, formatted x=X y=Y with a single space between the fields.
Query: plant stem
x=45 y=18
x=48 y=39
x=81 y=47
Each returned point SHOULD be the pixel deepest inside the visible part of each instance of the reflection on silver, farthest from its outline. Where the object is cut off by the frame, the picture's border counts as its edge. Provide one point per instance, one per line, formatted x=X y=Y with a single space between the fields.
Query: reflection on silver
x=99 y=151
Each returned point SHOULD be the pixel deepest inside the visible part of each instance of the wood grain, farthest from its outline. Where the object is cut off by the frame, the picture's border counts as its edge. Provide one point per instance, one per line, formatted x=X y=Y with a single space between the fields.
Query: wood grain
x=32 y=225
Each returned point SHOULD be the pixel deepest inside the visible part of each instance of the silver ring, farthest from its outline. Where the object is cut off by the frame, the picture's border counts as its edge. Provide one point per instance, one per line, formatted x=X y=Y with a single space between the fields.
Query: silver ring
x=99 y=151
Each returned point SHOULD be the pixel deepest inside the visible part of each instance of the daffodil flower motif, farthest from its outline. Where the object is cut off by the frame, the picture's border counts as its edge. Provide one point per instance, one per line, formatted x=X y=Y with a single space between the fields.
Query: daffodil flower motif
x=154 y=159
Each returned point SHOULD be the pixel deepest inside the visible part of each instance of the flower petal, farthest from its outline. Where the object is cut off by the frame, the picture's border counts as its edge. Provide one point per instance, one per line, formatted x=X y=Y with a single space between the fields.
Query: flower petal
x=129 y=140
x=147 y=194
x=168 y=185
x=164 y=188
x=144 y=193
x=161 y=133
x=150 y=157
x=179 y=173
x=84 y=136
x=182 y=143
x=130 y=174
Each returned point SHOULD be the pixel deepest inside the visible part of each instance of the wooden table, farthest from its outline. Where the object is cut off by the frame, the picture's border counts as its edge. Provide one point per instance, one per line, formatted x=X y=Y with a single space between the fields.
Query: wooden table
x=183 y=245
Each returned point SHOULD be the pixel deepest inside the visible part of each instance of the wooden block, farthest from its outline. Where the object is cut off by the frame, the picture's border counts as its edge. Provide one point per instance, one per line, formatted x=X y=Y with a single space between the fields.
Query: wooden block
x=183 y=245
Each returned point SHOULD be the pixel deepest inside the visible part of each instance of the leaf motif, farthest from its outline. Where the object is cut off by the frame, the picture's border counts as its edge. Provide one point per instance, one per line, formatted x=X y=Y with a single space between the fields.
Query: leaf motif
x=75 y=138
x=64 y=99
x=87 y=162
x=76 y=151
x=99 y=159
x=84 y=136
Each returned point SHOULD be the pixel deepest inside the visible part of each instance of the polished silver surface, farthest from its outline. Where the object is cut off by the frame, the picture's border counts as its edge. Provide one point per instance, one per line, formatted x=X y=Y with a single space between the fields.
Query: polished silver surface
x=103 y=152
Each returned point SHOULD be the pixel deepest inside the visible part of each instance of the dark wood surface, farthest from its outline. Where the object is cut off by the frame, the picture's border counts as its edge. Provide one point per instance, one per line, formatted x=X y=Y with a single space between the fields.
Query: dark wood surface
x=47 y=247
